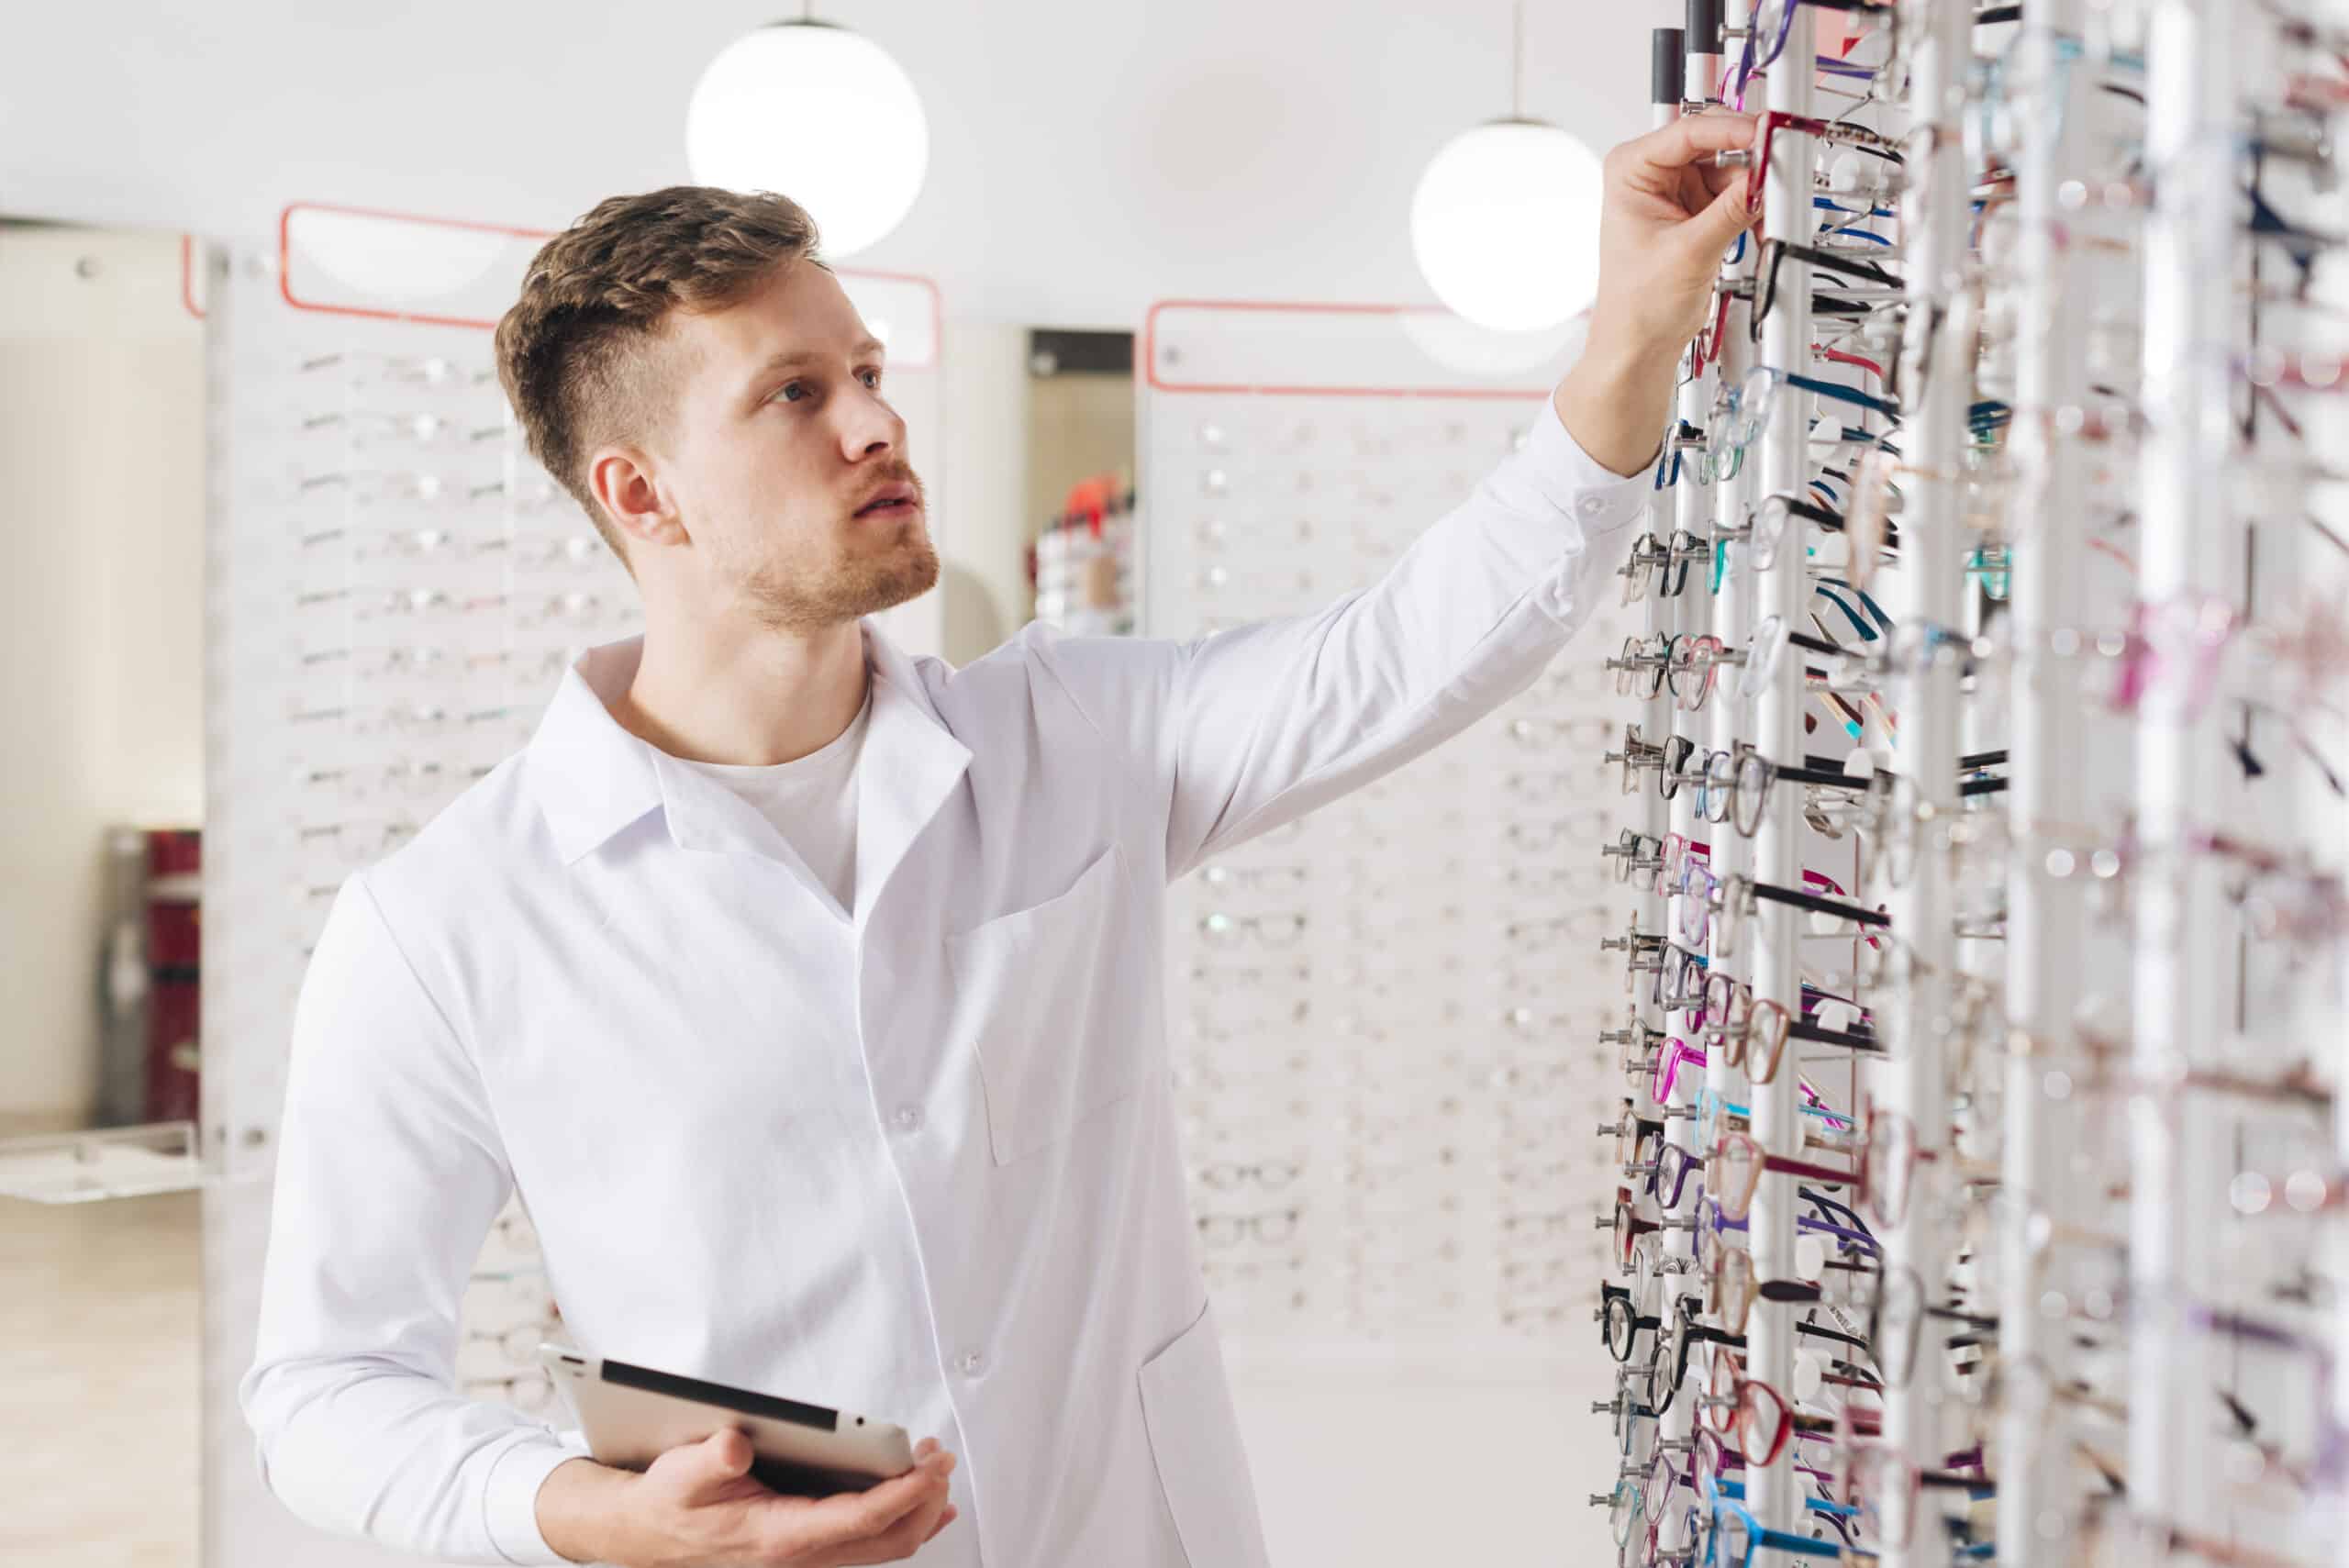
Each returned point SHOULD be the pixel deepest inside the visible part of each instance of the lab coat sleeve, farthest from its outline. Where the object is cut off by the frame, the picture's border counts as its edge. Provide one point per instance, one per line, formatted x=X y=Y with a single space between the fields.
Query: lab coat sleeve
x=389 y=1174
x=1242 y=732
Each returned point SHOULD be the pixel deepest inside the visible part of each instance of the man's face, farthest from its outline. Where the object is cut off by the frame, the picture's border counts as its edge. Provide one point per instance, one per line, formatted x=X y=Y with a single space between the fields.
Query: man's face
x=781 y=432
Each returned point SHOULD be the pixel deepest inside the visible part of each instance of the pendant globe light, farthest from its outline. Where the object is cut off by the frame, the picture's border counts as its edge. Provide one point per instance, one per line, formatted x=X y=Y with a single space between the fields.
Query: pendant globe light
x=767 y=115
x=1504 y=221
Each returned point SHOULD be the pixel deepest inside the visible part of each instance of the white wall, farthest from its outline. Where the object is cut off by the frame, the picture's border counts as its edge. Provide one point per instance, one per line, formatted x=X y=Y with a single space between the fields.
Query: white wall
x=1427 y=1462
x=101 y=620
x=1086 y=156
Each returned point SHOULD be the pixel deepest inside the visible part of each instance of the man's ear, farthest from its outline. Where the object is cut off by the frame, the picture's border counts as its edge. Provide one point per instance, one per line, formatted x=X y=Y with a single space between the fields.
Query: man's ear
x=626 y=484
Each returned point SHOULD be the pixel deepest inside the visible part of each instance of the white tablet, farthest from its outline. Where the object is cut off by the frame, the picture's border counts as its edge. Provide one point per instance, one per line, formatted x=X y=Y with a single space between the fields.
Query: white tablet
x=632 y=1415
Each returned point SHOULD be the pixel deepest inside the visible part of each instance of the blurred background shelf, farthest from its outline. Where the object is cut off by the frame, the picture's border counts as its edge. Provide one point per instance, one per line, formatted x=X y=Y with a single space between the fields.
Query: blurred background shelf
x=106 y=1163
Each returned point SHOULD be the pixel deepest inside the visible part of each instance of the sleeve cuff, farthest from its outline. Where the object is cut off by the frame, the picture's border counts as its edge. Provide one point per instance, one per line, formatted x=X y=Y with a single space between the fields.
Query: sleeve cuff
x=510 y=1502
x=1576 y=484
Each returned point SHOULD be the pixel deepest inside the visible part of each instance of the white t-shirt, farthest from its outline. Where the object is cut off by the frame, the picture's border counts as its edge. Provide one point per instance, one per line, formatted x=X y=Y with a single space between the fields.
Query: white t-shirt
x=811 y=800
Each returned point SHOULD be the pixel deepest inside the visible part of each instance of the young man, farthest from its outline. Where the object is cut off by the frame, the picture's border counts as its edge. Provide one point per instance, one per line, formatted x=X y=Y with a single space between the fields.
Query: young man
x=810 y=994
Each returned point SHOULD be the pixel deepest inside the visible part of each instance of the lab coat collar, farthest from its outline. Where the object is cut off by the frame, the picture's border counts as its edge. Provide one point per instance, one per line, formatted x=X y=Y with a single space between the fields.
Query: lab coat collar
x=912 y=764
x=594 y=777
x=591 y=777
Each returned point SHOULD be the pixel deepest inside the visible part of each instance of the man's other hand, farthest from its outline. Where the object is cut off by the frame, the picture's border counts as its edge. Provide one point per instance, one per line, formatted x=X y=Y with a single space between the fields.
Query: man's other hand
x=698 y=1506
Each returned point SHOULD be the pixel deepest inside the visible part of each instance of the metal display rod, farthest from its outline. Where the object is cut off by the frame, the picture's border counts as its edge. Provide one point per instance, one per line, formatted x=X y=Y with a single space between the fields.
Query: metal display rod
x=1732 y=600
x=2338 y=1414
x=1690 y=609
x=1675 y=1430
x=1647 y=1020
x=2180 y=992
x=1783 y=589
x=1644 y=1023
x=1936 y=387
x=2046 y=904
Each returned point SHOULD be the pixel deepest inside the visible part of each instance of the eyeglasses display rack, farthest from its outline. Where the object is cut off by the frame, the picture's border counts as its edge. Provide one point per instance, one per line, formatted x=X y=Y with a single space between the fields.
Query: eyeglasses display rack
x=1974 y=1192
x=1382 y=1016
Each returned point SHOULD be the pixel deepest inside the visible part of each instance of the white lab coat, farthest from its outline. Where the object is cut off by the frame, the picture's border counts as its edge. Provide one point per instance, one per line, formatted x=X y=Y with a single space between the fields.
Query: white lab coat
x=917 y=1160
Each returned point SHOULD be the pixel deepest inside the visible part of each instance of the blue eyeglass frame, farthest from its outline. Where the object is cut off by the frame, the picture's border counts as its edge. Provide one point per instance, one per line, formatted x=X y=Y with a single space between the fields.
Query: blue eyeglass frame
x=1839 y=1515
x=1757 y=1536
x=1710 y=1103
x=1747 y=409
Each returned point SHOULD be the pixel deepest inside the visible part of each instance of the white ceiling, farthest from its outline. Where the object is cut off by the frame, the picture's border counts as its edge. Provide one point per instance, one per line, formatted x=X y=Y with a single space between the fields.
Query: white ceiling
x=1086 y=158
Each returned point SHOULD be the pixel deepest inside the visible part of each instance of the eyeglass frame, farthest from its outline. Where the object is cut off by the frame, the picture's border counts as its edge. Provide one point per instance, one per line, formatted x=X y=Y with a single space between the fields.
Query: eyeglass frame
x=1617 y=1303
x=1770 y=122
x=1894 y=1350
x=1630 y=864
x=1749 y=823
x=1729 y=1146
x=1771 y=256
x=1736 y=899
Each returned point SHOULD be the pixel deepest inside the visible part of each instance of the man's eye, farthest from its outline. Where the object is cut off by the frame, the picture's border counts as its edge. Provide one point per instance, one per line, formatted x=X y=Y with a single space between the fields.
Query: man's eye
x=789 y=387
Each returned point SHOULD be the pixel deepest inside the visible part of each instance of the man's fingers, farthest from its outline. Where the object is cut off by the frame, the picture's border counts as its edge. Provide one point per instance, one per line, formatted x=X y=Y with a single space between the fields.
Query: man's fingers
x=1716 y=179
x=903 y=1538
x=726 y=1452
x=1694 y=193
x=715 y=1462
x=1691 y=138
x=859 y=1516
x=1723 y=221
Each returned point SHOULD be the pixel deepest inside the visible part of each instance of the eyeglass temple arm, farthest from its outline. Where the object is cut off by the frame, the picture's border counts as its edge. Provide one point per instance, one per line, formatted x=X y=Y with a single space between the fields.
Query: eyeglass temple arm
x=1817 y=1331
x=1851 y=912
x=1851 y=394
x=1817 y=1036
x=1827 y=261
x=1789 y=1290
x=1786 y=1167
x=1821 y=778
x=1972 y=1320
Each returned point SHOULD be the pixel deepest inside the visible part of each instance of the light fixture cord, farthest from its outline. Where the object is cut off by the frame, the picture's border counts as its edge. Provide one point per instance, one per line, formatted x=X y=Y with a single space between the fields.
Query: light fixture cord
x=1517 y=65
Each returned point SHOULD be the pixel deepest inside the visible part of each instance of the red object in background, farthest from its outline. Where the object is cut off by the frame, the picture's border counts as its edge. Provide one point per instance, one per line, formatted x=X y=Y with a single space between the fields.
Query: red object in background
x=1089 y=503
x=174 y=946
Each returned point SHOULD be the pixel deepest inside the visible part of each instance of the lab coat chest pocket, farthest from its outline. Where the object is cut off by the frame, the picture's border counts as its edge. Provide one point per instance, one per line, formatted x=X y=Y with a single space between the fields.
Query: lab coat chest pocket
x=1195 y=1442
x=1038 y=996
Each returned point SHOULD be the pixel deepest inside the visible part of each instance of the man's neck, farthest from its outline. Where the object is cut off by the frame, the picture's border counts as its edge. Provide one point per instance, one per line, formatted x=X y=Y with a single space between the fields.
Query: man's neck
x=763 y=698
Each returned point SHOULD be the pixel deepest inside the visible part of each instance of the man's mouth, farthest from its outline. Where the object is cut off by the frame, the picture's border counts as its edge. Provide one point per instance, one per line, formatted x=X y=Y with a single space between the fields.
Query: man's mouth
x=890 y=499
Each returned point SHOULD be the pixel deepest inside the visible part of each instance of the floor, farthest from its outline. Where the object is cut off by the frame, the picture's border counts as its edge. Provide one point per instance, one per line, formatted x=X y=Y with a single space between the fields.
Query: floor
x=100 y=1362
x=99 y=1354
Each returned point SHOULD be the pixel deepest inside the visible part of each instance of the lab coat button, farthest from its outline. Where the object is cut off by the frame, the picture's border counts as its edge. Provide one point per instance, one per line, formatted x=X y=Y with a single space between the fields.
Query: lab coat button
x=908 y=1119
x=973 y=1364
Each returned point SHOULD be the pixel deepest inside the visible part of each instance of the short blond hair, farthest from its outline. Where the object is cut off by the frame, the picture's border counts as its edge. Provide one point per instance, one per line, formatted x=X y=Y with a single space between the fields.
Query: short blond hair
x=577 y=355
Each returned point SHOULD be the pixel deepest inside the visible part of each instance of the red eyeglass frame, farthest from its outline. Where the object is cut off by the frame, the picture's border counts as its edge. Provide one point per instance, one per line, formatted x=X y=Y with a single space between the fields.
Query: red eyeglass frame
x=1771 y=121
